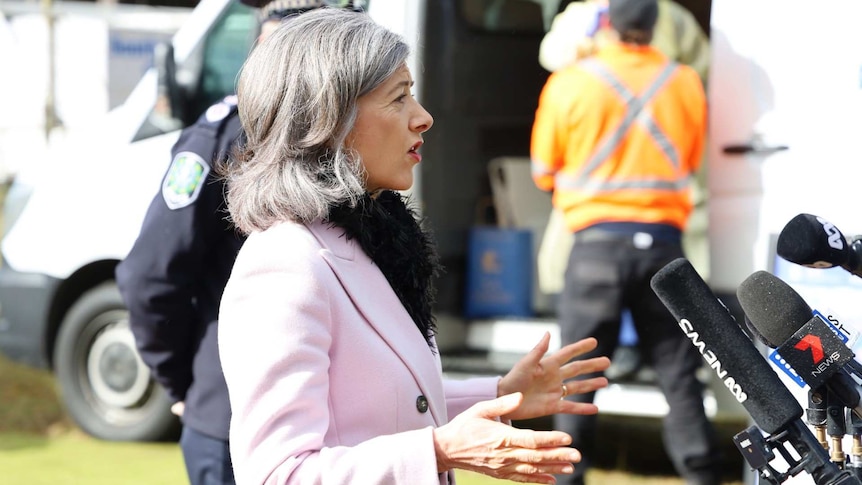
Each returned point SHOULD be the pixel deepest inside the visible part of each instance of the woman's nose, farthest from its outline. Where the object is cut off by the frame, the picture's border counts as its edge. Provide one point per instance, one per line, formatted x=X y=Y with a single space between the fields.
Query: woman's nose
x=423 y=120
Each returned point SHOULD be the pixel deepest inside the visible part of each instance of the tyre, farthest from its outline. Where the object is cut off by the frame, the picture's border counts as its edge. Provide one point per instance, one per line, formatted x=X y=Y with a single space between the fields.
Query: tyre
x=106 y=388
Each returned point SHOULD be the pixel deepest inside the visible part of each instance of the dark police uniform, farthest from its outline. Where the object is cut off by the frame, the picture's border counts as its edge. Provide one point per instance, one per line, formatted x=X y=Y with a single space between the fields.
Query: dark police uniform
x=173 y=278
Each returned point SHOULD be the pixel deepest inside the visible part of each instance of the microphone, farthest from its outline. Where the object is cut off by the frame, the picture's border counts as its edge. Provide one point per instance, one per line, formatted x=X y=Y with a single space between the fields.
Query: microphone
x=782 y=320
x=710 y=327
x=712 y=330
x=812 y=241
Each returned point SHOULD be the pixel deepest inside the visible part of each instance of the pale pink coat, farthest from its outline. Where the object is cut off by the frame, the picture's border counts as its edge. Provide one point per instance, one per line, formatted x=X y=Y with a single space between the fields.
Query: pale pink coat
x=324 y=367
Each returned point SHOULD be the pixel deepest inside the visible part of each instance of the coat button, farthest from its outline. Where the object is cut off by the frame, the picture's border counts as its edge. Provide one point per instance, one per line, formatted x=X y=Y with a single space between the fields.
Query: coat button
x=422 y=404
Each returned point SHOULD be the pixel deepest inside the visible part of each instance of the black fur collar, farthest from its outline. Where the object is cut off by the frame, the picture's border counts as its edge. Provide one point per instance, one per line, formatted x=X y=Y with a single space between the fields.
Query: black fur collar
x=388 y=231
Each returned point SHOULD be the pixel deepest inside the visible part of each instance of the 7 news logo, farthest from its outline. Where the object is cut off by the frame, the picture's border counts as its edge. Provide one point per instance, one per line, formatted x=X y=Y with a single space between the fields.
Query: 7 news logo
x=814 y=344
x=815 y=350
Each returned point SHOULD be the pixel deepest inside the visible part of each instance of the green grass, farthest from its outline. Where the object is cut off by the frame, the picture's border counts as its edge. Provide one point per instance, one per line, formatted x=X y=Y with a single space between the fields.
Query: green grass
x=604 y=477
x=72 y=458
x=39 y=445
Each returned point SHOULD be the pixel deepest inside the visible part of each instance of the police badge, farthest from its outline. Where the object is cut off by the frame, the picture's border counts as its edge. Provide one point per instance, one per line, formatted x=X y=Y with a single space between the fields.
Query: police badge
x=184 y=180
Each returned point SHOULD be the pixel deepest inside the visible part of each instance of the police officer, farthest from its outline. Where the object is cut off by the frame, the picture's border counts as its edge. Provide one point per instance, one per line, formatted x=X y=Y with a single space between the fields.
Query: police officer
x=173 y=278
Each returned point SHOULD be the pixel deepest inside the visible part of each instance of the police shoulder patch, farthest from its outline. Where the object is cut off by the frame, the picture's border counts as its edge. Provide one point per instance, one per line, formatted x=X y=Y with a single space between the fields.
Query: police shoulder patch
x=184 y=180
x=217 y=112
x=220 y=110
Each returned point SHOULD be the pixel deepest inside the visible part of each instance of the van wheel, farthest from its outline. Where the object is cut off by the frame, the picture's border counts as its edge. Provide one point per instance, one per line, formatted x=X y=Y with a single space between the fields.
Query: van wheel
x=105 y=386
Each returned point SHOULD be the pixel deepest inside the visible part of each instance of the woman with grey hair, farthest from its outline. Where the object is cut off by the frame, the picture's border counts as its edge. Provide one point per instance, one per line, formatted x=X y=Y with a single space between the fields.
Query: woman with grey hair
x=326 y=335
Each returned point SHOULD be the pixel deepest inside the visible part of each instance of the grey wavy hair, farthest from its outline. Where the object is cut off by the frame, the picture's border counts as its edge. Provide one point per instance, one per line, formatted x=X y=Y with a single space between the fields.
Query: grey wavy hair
x=298 y=93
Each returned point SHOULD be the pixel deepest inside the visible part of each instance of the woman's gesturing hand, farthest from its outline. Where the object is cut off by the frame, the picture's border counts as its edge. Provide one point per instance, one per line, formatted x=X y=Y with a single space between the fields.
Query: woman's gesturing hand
x=475 y=440
x=546 y=379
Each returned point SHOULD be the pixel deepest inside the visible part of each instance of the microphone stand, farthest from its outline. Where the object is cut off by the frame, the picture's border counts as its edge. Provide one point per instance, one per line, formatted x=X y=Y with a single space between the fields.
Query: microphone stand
x=815 y=414
x=855 y=462
x=759 y=450
x=836 y=428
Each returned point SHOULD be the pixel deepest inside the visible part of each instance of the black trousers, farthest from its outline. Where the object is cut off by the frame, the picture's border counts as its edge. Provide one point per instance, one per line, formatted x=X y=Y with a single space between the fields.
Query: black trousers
x=207 y=459
x=604 y=276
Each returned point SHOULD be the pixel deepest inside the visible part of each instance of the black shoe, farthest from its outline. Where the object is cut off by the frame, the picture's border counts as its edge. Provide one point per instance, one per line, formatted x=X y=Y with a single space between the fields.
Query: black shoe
x=624 y=364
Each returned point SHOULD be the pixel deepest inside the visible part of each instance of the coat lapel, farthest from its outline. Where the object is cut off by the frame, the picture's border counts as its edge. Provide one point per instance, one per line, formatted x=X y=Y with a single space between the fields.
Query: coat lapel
x=370 y=292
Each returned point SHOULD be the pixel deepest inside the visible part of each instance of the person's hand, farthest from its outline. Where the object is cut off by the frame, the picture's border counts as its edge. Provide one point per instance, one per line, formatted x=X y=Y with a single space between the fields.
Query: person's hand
x=541 y=379
x=475 y=441
x=177 y=408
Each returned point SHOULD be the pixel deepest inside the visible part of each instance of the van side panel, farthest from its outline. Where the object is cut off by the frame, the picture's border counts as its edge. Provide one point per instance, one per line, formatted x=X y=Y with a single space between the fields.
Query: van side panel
x=25 y=301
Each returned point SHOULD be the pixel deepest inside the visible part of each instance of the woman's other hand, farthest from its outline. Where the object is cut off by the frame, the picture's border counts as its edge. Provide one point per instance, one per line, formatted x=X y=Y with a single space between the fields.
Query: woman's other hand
x=476 y=441
x=541 y=378
x=178 y=408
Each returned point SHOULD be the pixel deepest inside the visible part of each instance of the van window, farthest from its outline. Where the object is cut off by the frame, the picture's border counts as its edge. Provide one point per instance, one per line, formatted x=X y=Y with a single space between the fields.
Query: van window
x=225 y=50
x=209 y=73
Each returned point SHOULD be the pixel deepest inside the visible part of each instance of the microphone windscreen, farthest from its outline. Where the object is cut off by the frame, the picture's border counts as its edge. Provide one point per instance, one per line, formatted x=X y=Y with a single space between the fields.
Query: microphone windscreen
x=712 y=330
x=755 y=332
x=807 y=241
x=772 y=307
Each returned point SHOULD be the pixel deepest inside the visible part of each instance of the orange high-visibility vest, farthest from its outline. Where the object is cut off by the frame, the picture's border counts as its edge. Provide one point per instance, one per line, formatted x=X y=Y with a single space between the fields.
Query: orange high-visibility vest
x=617 y=137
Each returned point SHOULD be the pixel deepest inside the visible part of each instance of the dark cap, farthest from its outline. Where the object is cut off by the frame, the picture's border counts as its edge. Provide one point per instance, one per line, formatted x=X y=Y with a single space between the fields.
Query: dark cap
x=628 y=15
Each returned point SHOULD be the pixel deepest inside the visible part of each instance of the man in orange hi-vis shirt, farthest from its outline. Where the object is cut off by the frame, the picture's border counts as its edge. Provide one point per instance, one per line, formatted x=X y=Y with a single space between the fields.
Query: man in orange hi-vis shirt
x=617 y=137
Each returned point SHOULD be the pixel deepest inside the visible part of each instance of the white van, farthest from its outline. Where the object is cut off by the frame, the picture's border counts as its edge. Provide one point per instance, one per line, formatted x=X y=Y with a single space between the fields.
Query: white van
x=71 y=216
x=73 y=213
x=70 y=65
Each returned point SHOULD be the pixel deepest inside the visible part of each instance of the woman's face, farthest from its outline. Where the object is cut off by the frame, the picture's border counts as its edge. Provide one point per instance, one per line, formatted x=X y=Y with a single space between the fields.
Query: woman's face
x=388 y=133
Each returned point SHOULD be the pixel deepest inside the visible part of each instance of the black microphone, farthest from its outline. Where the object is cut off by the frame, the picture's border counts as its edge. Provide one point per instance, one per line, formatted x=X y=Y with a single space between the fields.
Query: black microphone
x=712 y=330
x=782 y=320
x=710 y=327
x=812 y=241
